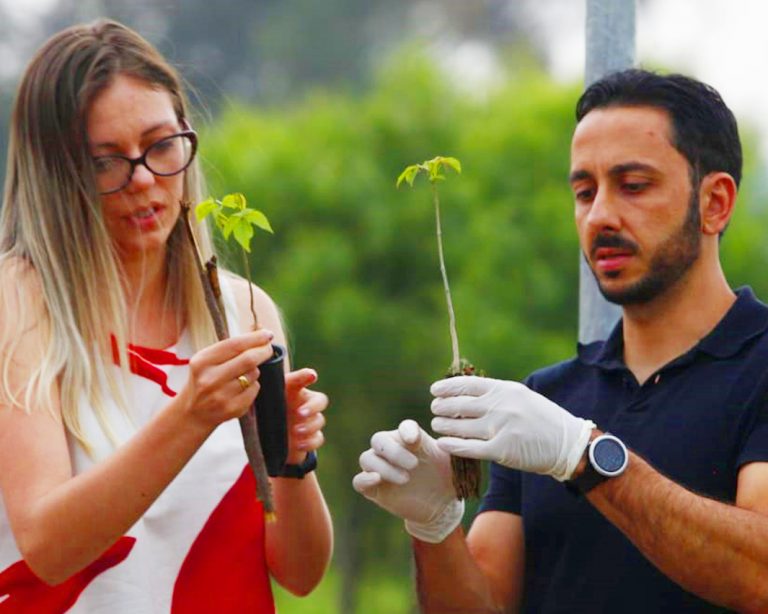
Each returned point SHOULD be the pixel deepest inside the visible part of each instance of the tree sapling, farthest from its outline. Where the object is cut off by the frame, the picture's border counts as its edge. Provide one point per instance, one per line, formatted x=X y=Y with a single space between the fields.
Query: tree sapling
x=234 y=218
x=466 y=472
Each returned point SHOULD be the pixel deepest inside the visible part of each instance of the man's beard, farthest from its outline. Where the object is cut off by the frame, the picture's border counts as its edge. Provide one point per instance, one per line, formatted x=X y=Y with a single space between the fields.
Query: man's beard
x=673 y=258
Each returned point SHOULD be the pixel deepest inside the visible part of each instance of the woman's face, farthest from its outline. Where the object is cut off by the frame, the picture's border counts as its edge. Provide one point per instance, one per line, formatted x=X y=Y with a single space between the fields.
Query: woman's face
x=125 y=119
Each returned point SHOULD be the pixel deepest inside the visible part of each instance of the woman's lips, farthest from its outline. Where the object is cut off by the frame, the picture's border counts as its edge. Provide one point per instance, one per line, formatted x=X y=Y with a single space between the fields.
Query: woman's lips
x=145 y=218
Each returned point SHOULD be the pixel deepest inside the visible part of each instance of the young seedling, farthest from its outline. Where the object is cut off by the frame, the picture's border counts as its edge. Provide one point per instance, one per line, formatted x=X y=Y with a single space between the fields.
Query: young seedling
x=233 y=217
x=466 y=472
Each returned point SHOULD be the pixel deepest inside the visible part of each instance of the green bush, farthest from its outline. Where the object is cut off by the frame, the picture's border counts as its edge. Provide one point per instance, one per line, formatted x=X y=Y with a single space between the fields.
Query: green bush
x=353 y=262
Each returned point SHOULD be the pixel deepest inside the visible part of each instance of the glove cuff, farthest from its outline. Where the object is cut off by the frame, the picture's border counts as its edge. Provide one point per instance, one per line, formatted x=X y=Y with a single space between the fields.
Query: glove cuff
x=437 y=529
x=577 y=450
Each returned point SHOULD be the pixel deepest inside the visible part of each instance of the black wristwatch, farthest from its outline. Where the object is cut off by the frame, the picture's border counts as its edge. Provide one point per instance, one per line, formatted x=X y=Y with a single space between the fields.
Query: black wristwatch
x=299 y=471
x=607 y=457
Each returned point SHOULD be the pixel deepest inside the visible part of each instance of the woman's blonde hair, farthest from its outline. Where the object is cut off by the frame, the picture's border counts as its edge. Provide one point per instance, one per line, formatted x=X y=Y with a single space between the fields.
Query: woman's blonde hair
x=51 y=221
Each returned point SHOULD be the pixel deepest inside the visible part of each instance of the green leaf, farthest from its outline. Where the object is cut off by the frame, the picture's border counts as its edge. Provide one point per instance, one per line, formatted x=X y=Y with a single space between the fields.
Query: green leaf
x=257 y=218
x=409 y=174
x=452 y=162
x=243 y=232
x=229 y=225
x=234 y=201
x=205 y=208
x=436 y=164
x=221 y=219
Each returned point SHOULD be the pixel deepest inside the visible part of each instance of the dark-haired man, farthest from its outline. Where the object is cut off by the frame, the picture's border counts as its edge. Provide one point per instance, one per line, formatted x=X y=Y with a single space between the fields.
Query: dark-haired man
x=657 y=438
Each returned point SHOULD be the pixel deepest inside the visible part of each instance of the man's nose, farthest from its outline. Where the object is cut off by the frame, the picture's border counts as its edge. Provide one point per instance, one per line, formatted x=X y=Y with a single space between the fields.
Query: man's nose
x=604 y=212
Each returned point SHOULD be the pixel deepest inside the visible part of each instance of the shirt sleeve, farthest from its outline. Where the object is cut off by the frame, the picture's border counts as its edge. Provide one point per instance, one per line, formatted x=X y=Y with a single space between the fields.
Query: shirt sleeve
x=505 y=485
x=755 y=447
x=504 y=492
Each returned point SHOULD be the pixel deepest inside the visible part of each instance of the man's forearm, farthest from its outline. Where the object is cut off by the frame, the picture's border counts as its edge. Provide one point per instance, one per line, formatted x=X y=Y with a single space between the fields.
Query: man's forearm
x=715 y=550
x=449 y=580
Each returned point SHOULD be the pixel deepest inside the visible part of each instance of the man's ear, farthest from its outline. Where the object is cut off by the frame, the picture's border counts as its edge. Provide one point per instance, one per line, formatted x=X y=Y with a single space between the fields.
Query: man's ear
x=717 y=196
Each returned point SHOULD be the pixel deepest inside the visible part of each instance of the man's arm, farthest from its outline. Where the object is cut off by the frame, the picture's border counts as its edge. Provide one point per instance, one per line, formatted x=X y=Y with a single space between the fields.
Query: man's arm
x=480 y=574
x=405 y=473
x=715 y=550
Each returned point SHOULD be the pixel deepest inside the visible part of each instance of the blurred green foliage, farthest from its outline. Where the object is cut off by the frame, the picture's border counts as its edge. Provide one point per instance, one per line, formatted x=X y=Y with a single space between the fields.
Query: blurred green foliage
x=353 y=264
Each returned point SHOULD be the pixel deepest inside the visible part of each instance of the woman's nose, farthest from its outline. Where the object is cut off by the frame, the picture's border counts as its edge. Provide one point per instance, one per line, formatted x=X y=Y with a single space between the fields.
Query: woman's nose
x=141 y=178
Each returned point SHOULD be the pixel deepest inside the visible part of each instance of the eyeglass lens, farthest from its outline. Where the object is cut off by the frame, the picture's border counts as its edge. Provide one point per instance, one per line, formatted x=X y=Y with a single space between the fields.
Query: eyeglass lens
x=167 y=156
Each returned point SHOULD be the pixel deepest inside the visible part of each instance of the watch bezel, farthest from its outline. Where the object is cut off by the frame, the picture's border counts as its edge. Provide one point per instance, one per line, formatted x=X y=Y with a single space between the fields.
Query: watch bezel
x=607 y=437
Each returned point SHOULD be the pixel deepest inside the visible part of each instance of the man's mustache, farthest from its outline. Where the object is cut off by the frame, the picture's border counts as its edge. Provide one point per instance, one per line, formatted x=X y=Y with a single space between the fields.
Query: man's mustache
x=612 y=241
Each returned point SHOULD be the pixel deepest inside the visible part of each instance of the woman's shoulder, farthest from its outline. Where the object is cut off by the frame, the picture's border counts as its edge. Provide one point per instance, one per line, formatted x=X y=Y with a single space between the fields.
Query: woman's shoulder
x=17 y=269
x=22 y=290
x=240 y=289
x=265 y=308
x=24 y=323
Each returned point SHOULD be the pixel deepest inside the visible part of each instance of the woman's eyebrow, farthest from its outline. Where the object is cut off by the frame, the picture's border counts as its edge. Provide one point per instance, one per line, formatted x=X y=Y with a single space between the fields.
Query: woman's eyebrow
x=148 y=131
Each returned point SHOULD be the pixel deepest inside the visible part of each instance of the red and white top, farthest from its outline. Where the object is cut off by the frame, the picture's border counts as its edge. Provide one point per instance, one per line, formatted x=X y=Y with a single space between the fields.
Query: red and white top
x=199 y=547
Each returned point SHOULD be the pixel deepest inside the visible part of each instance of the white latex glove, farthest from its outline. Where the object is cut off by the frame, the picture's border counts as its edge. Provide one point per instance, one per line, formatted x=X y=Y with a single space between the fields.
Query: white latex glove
x=508 y=423
x=407 y=474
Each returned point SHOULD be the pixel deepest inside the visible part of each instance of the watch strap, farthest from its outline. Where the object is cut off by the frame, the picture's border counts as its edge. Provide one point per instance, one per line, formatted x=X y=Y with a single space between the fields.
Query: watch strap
x=299 y=471
x=588 y=479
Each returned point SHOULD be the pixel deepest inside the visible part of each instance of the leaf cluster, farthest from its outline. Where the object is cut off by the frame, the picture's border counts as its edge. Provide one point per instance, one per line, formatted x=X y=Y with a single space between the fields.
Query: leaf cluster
x=232 y=216
x=432 y=168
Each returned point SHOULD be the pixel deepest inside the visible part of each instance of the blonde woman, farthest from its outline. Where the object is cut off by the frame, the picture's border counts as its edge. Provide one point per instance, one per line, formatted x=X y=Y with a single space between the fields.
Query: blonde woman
x=122 y=470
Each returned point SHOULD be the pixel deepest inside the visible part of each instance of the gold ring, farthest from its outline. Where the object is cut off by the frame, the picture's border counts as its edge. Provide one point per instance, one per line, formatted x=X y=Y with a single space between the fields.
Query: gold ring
x=244 y=381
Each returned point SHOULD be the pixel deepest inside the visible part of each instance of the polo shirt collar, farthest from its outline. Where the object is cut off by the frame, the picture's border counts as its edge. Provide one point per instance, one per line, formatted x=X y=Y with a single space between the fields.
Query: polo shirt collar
x=747 y=318
x=608 y=354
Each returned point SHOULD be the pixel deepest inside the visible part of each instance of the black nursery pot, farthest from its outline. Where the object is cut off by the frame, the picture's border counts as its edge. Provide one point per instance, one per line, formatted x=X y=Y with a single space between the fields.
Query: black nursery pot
x=270 y=412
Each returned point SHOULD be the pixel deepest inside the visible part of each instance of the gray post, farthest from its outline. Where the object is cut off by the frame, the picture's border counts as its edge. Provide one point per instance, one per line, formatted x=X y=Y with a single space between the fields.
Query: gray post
x=610 y=47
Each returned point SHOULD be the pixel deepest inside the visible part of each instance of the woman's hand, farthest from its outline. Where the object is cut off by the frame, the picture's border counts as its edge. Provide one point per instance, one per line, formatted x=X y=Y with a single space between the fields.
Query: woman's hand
x=224 y=378
x=305 y=414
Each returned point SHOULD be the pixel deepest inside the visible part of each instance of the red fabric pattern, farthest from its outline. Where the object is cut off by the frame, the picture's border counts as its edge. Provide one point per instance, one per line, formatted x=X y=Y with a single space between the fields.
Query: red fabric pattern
x=225 y=570
x=142 y=361
x=25 y=593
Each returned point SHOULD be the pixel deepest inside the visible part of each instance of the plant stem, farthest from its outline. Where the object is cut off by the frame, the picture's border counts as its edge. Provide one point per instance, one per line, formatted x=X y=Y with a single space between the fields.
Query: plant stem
x=248 y=424
x=456 y=363
x=247 y=267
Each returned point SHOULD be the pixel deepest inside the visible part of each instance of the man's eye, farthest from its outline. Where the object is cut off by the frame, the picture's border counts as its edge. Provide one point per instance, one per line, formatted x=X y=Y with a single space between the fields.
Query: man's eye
x=634 y=187
x=584 y=195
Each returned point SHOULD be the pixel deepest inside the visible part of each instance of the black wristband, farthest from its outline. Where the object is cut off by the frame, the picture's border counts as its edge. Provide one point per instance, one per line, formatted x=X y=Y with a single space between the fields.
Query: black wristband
x=299 y=471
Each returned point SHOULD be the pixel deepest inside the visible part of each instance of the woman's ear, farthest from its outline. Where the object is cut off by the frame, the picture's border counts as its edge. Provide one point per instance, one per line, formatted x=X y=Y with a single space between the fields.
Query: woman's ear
x=717 y=196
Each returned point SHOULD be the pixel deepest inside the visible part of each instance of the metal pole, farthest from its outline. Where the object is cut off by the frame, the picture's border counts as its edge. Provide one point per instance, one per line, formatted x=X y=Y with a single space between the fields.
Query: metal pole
x=610 y=30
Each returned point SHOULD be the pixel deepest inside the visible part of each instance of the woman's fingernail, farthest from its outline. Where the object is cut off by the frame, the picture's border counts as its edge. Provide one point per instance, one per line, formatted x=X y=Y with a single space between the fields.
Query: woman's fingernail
x=305 y=411
x=301 y=429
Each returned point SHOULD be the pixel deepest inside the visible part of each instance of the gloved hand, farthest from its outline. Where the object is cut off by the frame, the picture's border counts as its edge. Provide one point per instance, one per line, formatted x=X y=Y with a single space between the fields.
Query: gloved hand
x=508 y=423
x=405 y=473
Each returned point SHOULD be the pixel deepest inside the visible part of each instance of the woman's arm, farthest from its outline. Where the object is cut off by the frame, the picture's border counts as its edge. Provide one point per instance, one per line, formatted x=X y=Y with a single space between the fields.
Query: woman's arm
x=300 y=542
x=62 y=522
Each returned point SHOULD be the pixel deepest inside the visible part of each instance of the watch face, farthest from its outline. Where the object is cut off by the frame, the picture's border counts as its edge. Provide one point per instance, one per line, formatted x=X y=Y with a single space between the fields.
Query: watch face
x=609 y=455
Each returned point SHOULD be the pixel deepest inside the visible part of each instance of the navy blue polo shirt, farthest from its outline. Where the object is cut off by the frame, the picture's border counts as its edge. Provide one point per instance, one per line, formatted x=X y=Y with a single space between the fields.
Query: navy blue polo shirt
x=697 y=420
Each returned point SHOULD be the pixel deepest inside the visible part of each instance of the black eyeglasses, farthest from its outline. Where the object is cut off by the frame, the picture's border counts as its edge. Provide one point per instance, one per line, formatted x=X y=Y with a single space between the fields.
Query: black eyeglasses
x=168 y=156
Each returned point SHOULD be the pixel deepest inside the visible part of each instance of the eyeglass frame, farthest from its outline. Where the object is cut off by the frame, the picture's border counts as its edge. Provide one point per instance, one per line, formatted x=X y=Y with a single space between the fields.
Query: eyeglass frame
x=142 y=159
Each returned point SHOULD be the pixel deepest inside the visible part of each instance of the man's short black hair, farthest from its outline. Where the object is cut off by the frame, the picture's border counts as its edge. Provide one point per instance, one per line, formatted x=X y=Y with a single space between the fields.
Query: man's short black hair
x=704 y=130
